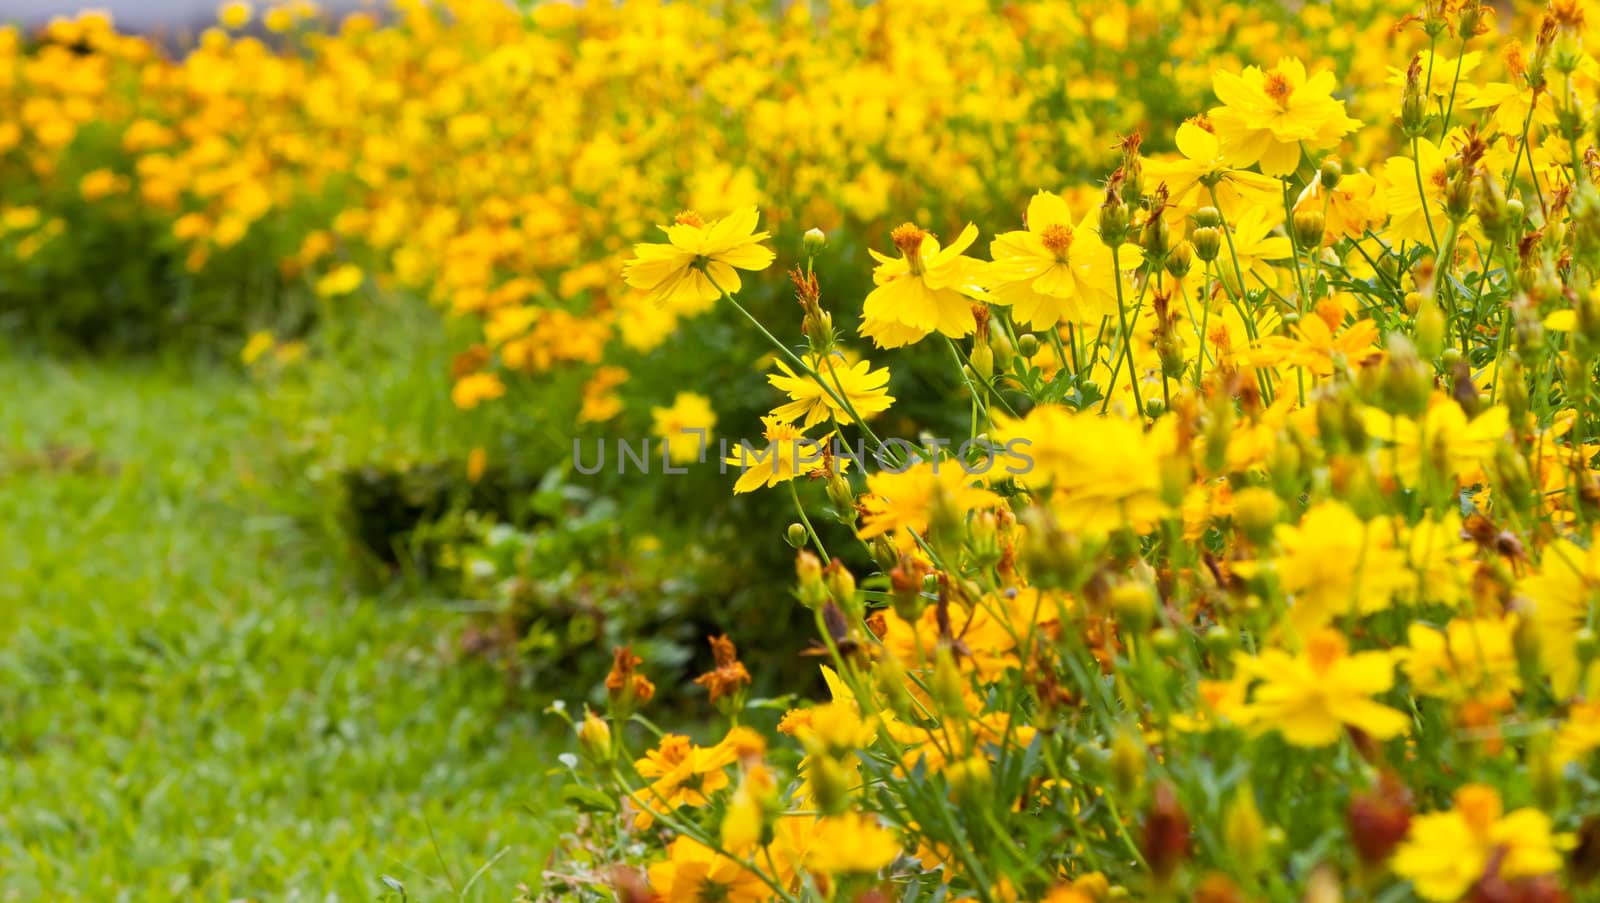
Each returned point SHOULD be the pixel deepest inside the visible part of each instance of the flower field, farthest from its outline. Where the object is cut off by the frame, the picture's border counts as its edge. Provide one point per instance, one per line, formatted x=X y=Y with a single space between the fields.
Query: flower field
x=906 y=451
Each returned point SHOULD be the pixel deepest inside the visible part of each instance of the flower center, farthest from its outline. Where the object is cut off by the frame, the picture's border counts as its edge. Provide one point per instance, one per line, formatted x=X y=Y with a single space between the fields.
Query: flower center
x=1277 y=87
x=908 y=238
x=1057 y=239
x=1324 y=649
x=689 y=218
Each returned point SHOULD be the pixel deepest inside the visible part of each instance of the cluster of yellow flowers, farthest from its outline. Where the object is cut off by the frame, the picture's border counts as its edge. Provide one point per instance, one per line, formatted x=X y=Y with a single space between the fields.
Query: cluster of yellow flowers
x=501 y=162
x=1266 y=563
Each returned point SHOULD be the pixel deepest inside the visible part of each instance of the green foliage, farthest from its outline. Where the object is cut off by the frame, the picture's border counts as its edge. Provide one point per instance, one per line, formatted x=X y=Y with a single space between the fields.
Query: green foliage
x=193 y=702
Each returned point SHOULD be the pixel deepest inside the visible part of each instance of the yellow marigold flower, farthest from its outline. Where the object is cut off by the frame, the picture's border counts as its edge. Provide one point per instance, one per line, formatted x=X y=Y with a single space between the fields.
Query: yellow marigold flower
x=1444 y=439
x=685 y=426
x=1468 y=658
x=1558 y=599
x=1053 y=271
x=1268 y=115
x=853 y=380
x=788 y=453
x=694 y=873
x=473 y=389
x=1445 y=853
x=1312 y=697
x=342 y=280
x=700 y=260
x=908 y=500
x=924 y=290
x=1203 y=177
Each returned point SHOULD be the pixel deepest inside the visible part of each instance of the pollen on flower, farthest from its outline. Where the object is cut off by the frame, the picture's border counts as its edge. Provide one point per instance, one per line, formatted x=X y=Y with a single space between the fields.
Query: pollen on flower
x=1057 y=239
x=689 y=218
x=908 y=238
x=1277 y=87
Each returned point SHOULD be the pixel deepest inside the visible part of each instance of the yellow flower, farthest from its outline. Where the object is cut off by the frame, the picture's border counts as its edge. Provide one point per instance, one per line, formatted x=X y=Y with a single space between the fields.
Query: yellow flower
x=101 y=183
x=1268 y=115
x=1408 y=220
x=683 y=775
x=1467 y=659
x=788 y=453
x=864 y=388
x=1580 y=734
x=1314 y=346
x=1558 y=598
x=259 y=344
x=700 y=260
x=600 y=399
x=909 y=500
x=1052 y=271
x=685 y=427
x=925 y=290
x=1352 y=207
x=475 y=388
x=1446 y=852
x=1203 y=177
x=1444 y=439
x=1103 y=472
x=1333 y=564
x=694 y=873
x=235 y=15
x=342 y=280
x=853 y=843
x=1254 y=245
x=1311 y=698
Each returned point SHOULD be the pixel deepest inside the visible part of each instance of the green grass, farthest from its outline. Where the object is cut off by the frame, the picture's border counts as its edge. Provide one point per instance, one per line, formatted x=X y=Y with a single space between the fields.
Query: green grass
x=194 y=703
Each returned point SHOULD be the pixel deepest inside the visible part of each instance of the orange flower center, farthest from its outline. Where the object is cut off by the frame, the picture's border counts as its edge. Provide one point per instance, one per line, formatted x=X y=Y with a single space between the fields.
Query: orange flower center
x=1324 y=649
x=1057 y=239
x=689 y=218
x=908 y=238
x=1277 y=87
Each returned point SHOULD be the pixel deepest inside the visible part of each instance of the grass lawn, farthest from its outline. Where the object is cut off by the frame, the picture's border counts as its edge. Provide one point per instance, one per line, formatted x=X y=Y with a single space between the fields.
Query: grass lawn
x=194 y=702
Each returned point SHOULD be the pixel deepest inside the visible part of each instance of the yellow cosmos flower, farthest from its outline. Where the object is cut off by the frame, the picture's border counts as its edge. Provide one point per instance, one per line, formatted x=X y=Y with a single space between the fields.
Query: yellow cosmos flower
x=685 y=426
x=925 y=290
x=1353 y=206
x=1445 y=853
x=700 y=260
x=475 y=388
x=1444 y=439
x=1203 y=177
x=1103 y=472
x=341 y=280
x=1333 y=564
x=1052 y=271
x=1314 y=346
x=1311 y=698
x=1408 y=218
x=788 y=453
x=681 y=774
x=855 y=381
x=1469 y=658
x=1558 y=600
x=907 y=501
x=1254 y=244
x=695 y=873
x=1268 y=115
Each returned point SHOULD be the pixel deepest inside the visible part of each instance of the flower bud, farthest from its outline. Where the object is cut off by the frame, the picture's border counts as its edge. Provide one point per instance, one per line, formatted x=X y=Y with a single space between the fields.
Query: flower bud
x=1166 y=833
x=1494 y=213
x=1004 y=352
x=796 y=535
x=1127 y=764
x=1256 y=511
x=808 y=568
x=1207 y=242
x=1155 y=238
x=1207 y=218
x=1431 y=328
x=1309 y=227
x=1180 y=259
x=1113 y=222
x=1379 y=819
x=1329 y=173
x=982 y=360
x=1027 y=345
x=1244 y=833
x=594 y=737
x=830 y=782
x=813 y=241
x=947 y=684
